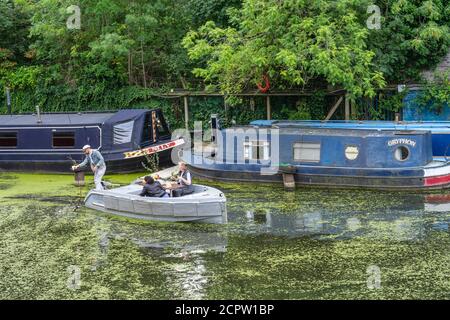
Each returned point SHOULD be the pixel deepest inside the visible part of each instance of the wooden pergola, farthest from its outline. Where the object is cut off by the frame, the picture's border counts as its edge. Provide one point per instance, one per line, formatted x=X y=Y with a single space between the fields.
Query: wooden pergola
x=341 y=93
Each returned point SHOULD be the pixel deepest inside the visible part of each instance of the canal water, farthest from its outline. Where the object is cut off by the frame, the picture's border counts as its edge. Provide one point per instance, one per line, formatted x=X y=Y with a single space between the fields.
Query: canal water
x=307 y=244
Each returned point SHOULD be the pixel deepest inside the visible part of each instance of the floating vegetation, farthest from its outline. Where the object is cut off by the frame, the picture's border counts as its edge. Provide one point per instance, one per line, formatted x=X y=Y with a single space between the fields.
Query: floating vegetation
x=307 y=244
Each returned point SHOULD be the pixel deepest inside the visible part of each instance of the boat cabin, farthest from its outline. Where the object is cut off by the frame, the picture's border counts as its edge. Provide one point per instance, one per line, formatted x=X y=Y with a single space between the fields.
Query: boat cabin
x=440 y=130
x=326 y=147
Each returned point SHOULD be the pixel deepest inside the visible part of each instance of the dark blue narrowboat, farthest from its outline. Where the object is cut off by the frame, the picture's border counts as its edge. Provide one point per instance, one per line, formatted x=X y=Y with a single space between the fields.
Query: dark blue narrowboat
x=379 y=159
x=51 y=142
x=440 y=130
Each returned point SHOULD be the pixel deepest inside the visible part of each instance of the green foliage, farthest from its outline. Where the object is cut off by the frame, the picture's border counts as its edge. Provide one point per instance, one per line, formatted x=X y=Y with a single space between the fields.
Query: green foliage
x=22 y=77
x=293 y=42
x=392 y=102
x=151 y=163
x=125 y=54
x=14 y=24
x=414 y=36
x=436 y=93
x=128 y=52
x=213 y=10
x=306 y=108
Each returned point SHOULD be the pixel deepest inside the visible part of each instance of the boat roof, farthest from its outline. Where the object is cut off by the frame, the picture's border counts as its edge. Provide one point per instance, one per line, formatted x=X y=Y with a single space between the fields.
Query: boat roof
x=66 y=119
x=351 y=124
x=302 y=130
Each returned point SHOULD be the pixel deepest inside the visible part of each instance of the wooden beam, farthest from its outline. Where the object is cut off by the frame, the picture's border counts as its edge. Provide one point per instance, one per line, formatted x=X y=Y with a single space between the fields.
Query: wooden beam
x=269 y=108
x=292 y=93
x=333 y=110
x=242 y=94
x=186 y=112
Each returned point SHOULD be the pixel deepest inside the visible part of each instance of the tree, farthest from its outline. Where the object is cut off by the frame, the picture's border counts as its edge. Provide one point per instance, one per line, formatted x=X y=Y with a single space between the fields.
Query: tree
x=414 y=36
x=14 y=43
x=212 y=10
x=293 y=42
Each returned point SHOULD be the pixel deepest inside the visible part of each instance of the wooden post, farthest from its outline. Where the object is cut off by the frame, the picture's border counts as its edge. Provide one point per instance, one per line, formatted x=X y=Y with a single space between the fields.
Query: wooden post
x=347 y=107
x=333 y=110
x=289 y=181
x=353 y=108
x=269 y=108
x=186 y=112
x=8 y=100
x=79 y=178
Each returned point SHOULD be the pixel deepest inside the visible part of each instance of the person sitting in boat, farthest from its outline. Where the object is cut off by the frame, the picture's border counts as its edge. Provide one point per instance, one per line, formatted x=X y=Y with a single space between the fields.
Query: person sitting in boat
x=153 y=188
x=98 y=166
x=184 y=181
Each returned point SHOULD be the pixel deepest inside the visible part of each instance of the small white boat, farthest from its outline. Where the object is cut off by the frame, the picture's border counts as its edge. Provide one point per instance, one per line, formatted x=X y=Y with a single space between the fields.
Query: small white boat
x=206 y=204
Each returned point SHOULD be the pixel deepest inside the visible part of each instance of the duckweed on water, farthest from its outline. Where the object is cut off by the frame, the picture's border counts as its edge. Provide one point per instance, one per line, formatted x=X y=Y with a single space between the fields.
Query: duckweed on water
x=307 y=244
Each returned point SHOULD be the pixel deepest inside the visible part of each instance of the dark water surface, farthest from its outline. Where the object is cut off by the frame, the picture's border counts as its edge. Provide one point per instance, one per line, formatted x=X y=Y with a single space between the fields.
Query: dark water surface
x=308 y=244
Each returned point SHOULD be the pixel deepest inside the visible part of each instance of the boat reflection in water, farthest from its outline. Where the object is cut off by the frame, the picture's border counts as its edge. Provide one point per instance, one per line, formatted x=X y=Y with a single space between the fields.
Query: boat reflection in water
x=182 y=248
x=424 y=214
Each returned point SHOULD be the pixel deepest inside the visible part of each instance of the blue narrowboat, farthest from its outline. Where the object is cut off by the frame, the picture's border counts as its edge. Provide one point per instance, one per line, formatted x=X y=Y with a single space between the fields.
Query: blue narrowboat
x=440 y=130
x=379 y=159
x=52 y=142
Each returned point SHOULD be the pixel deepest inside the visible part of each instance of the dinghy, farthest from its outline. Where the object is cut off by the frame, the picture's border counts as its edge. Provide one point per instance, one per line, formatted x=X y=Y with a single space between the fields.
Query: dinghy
x=206 y=204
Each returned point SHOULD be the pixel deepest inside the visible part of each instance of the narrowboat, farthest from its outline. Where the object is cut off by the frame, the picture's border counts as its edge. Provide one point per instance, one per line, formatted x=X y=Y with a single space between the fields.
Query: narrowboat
x=342 y=158
x=440 y=130
x=52 y=142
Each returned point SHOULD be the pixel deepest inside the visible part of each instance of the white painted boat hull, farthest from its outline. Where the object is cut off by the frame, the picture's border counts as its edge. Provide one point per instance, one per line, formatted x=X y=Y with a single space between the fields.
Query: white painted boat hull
x=206 y=205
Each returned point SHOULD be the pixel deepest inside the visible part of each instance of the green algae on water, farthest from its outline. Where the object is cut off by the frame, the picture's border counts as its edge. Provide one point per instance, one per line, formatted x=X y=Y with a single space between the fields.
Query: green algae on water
x=307 y=244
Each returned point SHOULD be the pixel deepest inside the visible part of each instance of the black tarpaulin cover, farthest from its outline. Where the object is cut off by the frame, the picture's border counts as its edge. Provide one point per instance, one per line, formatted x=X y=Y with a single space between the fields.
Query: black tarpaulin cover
x=123 y=130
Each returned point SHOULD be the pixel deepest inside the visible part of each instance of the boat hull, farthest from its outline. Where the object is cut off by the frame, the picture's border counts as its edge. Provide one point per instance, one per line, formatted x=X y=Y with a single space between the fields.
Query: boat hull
x=60 y=164
x=206 y=205
x=427 y=178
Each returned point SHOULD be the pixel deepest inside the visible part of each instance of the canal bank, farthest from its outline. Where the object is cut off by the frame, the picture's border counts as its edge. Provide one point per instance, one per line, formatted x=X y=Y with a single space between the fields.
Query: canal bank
x=307 y=244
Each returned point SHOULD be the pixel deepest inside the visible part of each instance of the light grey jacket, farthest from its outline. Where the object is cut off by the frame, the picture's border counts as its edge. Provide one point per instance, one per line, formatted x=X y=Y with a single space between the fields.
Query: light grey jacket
x=94 y=159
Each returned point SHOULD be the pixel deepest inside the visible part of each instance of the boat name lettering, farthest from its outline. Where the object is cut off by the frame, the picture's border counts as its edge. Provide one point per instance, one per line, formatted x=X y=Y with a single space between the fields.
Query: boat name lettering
x=395 y=142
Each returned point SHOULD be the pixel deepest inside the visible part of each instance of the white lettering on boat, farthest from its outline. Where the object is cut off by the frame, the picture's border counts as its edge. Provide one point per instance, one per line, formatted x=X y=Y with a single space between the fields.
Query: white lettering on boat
x=395 y=142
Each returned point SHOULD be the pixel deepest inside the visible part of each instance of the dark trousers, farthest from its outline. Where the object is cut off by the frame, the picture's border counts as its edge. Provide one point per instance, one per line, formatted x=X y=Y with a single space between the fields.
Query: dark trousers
x=182 y=191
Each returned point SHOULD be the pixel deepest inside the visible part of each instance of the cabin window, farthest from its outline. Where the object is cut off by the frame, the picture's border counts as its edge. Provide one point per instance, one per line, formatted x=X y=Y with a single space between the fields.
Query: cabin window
x=401 y=153
x=256 y=150
x=8 y=139
x=123 y=132
x=306 y=152
x=63 y=139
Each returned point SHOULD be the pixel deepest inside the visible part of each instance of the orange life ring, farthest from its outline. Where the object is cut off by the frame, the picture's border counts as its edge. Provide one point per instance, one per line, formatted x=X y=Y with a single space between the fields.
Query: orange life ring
x=266 y=86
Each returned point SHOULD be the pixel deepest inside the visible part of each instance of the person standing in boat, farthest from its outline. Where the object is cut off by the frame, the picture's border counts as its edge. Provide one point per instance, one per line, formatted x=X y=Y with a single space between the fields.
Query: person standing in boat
x=184 y=181
x=98 y=166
